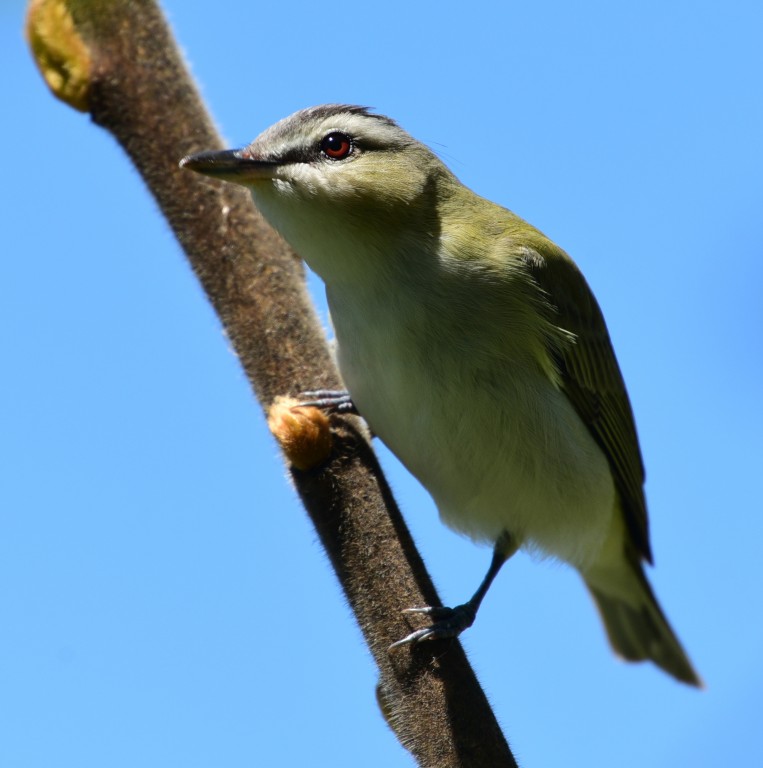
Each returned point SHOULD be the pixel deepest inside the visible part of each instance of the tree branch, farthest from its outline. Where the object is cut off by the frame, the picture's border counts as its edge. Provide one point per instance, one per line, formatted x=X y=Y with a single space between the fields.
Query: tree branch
x=118 y=61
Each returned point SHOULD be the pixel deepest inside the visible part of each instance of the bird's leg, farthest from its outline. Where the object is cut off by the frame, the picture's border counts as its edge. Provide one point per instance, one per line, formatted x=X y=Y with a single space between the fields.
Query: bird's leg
x=329 y=400
x=451 y=622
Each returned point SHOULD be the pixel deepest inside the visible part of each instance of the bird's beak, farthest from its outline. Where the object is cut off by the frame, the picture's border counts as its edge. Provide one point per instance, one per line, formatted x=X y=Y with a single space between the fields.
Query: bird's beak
x=236 y=165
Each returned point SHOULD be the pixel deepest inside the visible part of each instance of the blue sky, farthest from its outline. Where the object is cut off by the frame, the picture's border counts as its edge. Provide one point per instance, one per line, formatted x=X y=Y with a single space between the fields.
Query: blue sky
x=164 y=600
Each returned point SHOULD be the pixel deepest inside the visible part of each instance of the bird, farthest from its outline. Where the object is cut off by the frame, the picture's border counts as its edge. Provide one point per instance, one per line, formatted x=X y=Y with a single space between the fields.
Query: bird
x=473 y=347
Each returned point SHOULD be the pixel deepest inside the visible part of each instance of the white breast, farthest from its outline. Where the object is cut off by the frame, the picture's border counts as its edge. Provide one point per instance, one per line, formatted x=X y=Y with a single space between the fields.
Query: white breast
x=497 y=445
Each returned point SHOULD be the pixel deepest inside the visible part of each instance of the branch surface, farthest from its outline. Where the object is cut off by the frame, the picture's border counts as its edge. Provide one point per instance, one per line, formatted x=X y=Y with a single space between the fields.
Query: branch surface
x=119 y=62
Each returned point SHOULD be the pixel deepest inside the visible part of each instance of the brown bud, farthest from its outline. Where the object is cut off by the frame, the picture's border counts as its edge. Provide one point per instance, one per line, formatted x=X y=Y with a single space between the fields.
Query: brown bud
x=303 y=432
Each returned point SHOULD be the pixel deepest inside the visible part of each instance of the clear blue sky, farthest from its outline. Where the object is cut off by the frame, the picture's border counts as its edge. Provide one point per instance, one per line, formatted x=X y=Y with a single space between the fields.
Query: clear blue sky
x=164 y=601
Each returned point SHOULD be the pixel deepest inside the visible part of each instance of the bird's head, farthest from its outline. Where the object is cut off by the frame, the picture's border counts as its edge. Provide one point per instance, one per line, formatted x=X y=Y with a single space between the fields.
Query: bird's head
x=333 y=152
x=334 y=172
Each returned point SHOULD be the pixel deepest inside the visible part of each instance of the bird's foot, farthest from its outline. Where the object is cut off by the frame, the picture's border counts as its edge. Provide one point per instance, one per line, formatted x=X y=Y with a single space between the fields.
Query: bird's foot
x=449 y=622
x=329 y=400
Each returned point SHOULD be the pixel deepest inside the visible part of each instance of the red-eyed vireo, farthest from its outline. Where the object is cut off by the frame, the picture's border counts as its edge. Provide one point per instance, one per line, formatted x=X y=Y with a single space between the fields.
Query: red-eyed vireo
x=474 y=348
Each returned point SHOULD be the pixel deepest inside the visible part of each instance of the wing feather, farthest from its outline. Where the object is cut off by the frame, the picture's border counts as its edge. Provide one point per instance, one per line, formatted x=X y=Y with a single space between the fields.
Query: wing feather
x=591 y=378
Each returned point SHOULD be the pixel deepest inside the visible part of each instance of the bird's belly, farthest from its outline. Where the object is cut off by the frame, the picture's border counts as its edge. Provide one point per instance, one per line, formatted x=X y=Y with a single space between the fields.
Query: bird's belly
x=498 y=450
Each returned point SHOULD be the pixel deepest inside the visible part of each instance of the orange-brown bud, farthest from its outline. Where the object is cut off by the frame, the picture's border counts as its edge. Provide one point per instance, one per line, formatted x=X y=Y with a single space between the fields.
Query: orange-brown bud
x=303 y=432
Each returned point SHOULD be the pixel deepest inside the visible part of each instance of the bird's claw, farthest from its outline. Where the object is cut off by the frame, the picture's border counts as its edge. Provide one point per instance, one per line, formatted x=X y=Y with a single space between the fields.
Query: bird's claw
x=329 y=400
x=449 y=623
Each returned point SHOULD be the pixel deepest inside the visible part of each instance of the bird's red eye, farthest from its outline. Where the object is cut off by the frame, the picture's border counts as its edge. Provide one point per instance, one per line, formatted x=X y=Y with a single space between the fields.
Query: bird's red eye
x=336 y=145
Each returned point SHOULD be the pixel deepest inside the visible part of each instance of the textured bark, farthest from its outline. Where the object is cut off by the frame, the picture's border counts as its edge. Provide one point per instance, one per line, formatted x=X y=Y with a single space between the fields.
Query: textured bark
x=118 y=61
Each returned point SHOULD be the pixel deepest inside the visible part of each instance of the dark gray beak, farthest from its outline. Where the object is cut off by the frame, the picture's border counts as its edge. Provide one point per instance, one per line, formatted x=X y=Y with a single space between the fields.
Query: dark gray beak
x=236 y=165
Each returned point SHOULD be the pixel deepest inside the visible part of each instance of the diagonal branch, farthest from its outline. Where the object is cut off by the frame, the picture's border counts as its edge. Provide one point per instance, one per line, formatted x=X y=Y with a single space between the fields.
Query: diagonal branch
x=118 y=61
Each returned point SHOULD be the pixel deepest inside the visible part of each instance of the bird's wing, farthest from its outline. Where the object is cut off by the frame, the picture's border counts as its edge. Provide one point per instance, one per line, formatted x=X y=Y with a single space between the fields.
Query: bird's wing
x=591 y=379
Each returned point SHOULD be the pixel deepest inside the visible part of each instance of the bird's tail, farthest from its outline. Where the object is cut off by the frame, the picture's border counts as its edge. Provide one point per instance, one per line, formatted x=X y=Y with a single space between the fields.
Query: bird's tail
x=636 y=626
